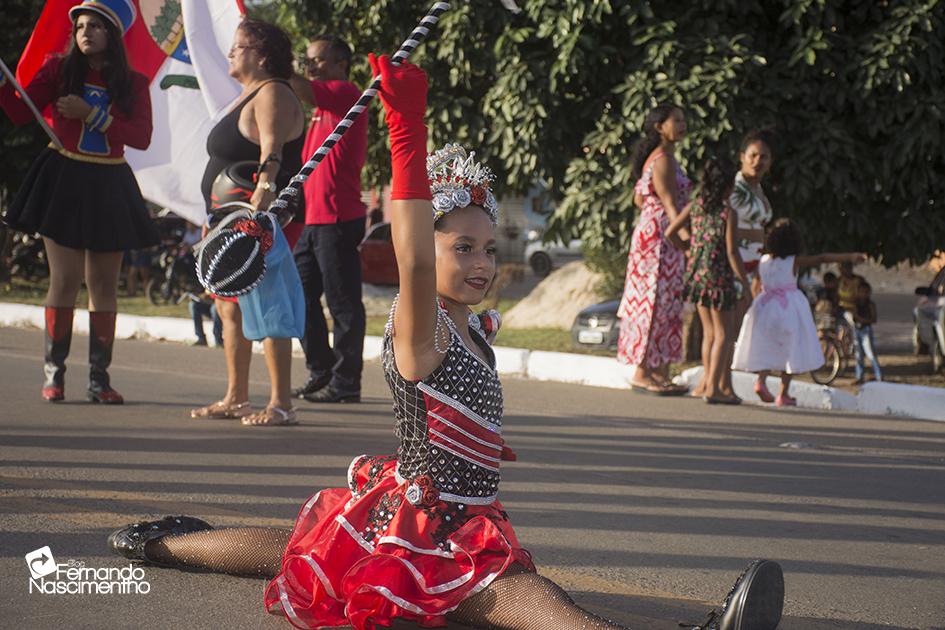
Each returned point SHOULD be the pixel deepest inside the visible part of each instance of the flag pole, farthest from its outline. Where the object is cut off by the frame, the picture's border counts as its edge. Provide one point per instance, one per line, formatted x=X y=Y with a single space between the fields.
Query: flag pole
x=294 y=187
x=29 y=103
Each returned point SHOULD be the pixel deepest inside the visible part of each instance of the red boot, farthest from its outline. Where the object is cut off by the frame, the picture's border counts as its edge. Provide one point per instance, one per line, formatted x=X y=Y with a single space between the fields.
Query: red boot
x=58 y=340
x=101 y=340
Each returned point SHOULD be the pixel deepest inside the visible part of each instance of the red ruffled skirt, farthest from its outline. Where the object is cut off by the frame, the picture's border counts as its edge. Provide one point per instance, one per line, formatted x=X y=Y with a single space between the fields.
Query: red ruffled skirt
x=365 y=555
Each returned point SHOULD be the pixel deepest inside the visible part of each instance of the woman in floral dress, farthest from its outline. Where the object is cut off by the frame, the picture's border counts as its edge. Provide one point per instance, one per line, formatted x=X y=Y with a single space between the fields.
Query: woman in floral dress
x=750 y=203
x=709 y=281
x=748 y=198
x=651 y=307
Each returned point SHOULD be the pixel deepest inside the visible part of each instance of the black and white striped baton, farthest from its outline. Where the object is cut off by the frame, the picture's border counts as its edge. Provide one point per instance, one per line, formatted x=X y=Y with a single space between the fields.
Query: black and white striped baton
x=292 y=190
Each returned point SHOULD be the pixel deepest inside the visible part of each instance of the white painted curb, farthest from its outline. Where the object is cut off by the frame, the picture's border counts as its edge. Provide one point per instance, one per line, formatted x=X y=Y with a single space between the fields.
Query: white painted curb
x=885 y=399
x=126 y=326
x=512 y=361
x=582 y=369
x=896 y=399
x=808 y=395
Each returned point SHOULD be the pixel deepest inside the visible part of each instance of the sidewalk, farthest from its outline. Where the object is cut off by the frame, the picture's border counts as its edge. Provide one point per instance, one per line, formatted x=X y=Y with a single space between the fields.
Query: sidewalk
x=884 y=399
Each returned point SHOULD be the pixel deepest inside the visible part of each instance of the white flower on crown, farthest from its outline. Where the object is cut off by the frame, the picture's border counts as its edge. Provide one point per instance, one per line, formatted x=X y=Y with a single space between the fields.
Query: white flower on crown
x=458 y=180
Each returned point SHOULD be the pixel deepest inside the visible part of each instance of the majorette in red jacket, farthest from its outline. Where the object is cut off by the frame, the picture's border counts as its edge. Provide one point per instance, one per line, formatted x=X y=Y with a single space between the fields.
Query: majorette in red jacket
x=102 y=136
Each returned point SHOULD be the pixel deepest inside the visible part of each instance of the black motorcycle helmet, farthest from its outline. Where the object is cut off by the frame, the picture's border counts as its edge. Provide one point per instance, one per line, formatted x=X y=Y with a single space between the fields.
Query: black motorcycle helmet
x=234 y=183
x=237 y=183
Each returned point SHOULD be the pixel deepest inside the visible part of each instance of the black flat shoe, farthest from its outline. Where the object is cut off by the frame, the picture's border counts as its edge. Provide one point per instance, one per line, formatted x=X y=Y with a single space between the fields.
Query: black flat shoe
x=329 y=395
x=130 y=540
x=722 y=400
x=754 y=603
x=311 y=386
x=104 y=394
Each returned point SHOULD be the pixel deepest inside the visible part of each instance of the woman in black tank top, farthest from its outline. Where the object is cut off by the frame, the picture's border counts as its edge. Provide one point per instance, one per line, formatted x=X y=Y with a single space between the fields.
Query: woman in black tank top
x=227 y=146
x=271 y=135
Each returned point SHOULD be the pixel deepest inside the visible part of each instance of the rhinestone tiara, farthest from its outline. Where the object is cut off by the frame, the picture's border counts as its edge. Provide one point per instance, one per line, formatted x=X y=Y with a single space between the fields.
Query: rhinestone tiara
x=458 y=180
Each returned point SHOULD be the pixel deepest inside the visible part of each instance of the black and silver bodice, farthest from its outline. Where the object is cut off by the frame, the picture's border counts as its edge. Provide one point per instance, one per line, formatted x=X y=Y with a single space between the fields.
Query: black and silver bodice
x=449 y=425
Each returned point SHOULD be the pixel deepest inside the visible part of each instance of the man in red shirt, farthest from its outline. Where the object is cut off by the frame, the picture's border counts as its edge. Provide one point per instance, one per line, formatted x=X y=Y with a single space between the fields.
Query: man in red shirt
x=327 y=251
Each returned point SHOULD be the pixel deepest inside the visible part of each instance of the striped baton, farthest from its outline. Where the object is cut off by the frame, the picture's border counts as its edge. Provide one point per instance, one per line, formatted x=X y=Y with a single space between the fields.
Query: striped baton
x=292 y=190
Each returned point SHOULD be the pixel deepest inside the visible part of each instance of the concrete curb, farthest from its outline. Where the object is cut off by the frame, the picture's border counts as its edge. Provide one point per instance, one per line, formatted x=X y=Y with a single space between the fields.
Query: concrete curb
x=909 y=401
x=877 y=399
x=883 y=399
x=176 y=329
x=808 y=395
x=582 y=369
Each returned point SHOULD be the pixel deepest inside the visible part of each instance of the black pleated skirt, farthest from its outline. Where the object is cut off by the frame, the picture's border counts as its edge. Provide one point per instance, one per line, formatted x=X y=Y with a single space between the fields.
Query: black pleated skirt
x=83 y=205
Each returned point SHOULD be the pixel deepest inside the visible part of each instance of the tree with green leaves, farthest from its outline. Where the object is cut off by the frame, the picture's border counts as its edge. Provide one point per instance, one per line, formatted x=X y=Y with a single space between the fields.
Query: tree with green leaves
x=855 y=92
x=19 y=146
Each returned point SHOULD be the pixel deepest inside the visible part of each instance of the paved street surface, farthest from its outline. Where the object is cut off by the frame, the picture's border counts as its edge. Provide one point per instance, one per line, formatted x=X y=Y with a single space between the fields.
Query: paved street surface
x=645 y=509
x=893 y=329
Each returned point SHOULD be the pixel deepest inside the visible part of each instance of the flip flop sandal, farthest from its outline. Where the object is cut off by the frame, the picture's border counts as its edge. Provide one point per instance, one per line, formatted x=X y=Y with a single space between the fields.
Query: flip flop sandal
x=648 y=390
x=722 y=401
x=222 y=411
x=676 y=390
x=271 y=417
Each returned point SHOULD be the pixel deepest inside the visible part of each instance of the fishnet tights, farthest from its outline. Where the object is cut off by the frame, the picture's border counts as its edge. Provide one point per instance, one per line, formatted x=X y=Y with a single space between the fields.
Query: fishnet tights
x=526 y=601
x=517 y=600
x=244 y=551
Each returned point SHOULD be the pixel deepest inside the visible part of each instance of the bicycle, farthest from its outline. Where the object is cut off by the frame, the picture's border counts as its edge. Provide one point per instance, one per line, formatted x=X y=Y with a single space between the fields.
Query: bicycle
x=830 y=334
x=846 y=336
x=177 y=277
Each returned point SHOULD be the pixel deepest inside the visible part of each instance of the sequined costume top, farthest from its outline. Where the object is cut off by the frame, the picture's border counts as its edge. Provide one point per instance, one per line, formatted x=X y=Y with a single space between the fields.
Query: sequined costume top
x=413 y=534
x=449 y=424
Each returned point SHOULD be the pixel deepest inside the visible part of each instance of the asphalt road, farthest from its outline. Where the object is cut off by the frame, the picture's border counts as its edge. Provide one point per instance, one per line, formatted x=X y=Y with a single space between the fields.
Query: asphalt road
x=645 y=509
x=893 y=329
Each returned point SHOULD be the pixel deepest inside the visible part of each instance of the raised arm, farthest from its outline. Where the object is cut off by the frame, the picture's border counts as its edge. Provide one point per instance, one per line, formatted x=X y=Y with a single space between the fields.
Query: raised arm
x=680 y=222
x=277 y=115
x=403 y=92
x=303 y=89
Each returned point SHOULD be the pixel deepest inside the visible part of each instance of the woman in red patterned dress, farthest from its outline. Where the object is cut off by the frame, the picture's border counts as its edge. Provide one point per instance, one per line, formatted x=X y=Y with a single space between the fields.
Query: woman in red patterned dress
x=420 y=535
x=651 y=307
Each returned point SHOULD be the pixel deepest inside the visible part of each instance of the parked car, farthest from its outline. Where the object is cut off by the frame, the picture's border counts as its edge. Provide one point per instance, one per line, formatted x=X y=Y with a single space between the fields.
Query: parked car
x=544 y=257
x=378 y=263
x=928 y=332
x=597 y=327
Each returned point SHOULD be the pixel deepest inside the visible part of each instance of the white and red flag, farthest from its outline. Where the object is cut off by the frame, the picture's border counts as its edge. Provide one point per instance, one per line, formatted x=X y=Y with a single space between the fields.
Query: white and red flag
x=181 y=46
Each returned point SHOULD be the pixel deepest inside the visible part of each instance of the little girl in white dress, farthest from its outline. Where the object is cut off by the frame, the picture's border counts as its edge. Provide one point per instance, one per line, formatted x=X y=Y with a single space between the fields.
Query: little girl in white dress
x=778 y=332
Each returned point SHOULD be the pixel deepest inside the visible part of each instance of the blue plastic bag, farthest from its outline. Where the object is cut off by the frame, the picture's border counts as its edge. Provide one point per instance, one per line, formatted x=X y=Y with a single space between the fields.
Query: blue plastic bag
x=276 y=307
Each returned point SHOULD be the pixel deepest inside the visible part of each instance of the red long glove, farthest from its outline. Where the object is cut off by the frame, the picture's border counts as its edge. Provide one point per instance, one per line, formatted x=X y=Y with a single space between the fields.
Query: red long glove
x=404 y=94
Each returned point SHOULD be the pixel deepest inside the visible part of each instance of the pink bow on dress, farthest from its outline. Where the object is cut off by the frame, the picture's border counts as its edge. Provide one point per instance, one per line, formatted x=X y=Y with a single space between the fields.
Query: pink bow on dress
x=779 y=293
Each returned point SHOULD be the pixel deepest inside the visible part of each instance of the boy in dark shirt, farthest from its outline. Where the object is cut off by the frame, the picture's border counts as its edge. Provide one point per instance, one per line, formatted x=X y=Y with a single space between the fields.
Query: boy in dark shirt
x=864 y=316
